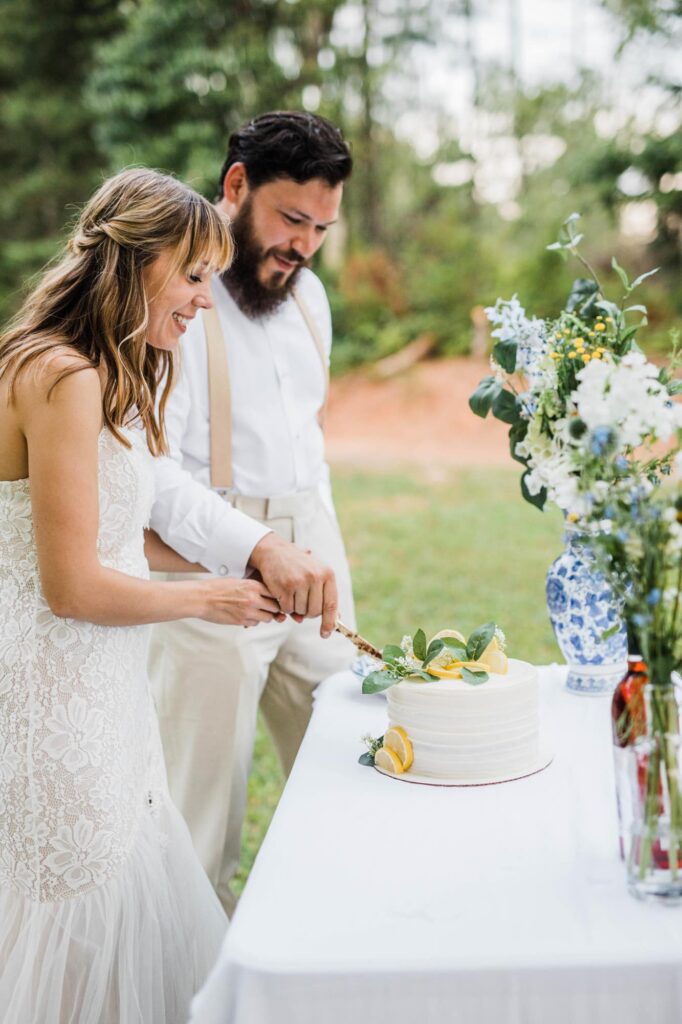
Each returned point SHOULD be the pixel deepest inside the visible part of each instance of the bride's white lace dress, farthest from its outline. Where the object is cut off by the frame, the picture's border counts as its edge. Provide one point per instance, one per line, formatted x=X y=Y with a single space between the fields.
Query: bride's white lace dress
x=106 y=916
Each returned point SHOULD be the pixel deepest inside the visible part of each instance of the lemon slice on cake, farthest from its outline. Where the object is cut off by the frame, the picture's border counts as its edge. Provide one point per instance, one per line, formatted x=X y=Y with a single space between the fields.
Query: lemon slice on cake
x=449 y=633
x=388 y=760
x=397 y=740
x=495 y=659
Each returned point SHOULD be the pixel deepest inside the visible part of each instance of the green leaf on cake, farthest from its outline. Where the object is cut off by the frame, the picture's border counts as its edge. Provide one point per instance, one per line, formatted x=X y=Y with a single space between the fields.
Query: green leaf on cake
x=473 y=678
x=392 y=652
x=367 y=759
x=377 y=682
x=479 y=640
x=426 y=676
x=456 y=646
x=419 y=644
x=434 y=648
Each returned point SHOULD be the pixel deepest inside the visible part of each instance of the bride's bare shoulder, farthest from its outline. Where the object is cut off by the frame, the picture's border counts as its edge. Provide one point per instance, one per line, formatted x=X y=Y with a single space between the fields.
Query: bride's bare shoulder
x=60 y=373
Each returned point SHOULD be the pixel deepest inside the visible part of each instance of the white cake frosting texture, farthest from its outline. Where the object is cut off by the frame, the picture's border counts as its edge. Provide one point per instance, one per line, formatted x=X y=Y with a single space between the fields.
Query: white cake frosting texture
x=464 y=733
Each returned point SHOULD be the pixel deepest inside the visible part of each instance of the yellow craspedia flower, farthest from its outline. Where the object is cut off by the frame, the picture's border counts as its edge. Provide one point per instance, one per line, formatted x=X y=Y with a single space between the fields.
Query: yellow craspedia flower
x=609 y=319
x=596 y=355
x=572 y=517
x=600 y=327
x=572 y=355
x=567 y=330
x=586 y=357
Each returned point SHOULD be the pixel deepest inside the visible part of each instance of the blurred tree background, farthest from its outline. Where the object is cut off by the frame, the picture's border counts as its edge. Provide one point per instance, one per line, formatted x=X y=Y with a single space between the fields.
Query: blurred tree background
x=467 y=158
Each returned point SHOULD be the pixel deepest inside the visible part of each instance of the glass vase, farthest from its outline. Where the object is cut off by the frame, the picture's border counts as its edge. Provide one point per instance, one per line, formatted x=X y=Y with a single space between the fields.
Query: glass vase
x=582 y=608
x=654 y=849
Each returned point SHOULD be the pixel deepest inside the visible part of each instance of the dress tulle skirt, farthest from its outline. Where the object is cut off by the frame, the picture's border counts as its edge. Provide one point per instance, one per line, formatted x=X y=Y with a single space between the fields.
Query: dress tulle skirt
x=132 y=951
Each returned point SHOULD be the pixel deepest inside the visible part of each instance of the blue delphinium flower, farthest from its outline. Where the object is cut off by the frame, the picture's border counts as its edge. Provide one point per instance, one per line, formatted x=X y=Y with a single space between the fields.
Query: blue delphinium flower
x=601 y=440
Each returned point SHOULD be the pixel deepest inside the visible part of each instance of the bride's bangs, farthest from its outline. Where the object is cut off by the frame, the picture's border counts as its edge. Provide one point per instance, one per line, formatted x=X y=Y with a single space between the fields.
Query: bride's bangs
x=207 y=239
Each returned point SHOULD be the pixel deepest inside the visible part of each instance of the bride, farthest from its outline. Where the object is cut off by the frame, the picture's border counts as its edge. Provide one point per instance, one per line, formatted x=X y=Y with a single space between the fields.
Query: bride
x=105 y=913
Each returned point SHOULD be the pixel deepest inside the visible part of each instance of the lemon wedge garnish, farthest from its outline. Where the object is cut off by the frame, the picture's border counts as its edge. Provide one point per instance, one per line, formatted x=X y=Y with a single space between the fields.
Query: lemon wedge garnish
x=388 y=760
x=495 y=658
x=397 y=740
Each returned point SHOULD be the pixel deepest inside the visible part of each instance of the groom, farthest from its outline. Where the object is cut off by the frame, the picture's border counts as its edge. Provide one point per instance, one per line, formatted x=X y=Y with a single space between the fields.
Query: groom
x=246 y=419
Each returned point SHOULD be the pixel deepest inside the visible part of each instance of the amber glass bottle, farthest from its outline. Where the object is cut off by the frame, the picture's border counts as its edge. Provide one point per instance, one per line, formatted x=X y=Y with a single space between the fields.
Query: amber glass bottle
x=628 y=721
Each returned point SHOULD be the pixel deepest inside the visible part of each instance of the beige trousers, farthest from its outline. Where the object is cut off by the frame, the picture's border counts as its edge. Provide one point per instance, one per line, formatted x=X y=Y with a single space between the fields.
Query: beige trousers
x=209 y=681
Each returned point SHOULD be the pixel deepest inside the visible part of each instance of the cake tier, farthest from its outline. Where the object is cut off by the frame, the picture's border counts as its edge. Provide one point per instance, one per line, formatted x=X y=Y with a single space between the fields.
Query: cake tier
x=461 y=732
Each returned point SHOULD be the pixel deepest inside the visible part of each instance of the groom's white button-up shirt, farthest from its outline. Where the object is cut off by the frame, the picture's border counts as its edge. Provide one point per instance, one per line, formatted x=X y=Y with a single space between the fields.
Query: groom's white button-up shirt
x=277 y=385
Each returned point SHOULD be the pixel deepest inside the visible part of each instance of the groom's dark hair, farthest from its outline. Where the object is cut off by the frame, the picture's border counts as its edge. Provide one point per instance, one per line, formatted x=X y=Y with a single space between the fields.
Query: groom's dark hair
x=289 y=144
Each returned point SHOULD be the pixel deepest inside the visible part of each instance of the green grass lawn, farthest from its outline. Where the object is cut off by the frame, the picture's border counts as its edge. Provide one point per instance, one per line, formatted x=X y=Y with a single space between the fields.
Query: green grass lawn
x=454 y=553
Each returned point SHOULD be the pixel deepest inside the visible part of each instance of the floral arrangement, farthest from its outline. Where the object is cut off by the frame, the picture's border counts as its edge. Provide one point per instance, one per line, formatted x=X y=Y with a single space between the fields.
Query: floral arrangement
x=576 y=388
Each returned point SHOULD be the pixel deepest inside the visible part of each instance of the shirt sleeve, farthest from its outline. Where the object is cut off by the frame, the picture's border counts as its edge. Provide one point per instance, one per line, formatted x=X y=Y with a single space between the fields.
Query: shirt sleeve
x=198 y=524
x=190 y=517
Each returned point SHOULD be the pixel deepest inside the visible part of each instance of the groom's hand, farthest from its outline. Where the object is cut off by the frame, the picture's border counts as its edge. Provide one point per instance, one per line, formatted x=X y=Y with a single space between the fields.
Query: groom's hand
x=304 y=587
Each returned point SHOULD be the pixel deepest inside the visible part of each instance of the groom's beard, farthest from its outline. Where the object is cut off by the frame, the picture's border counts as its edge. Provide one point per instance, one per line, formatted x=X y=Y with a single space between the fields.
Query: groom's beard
x=241 y=279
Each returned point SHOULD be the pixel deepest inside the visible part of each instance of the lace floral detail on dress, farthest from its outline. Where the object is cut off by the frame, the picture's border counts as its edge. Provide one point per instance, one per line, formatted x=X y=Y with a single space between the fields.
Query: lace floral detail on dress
x=78 y=750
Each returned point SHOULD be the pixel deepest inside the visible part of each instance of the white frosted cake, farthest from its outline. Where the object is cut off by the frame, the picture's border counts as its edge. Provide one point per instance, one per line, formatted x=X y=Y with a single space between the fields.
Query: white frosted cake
x=462 y=733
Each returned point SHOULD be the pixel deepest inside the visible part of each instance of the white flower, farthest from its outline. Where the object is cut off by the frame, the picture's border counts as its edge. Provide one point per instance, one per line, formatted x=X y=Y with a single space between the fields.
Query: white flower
x=501 y=639
x=628 y=398
x=82 y=856
x=76 y=730
x=406 y=645
x=530 y=335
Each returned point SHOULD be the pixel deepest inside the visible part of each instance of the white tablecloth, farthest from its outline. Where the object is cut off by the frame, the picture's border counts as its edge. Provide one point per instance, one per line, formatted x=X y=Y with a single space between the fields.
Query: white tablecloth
x=375 y=900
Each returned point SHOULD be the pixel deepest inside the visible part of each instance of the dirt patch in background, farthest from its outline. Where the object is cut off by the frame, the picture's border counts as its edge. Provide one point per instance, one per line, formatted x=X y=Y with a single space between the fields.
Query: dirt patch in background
x=421 y=415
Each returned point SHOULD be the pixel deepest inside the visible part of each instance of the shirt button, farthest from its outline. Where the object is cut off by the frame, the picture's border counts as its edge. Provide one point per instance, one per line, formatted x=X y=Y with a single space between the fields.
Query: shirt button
x=223 y=570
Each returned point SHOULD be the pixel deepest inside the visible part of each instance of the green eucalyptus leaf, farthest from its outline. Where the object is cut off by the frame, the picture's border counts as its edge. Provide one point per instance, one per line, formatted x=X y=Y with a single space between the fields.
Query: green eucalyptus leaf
x=636 y=309
x=367 y=759
x=423 y=675
x=505 y=407
x=504 y=353
x=674 y=387
x=419 y=644
x=474 y=678
x=538 y=499
x=479 y=640
x=555 y=247
x=377 y=682
x=392 y=652
x=621 y=274
x=483 y=397
x=435 y=647
x=571 y=219
x=456 y=646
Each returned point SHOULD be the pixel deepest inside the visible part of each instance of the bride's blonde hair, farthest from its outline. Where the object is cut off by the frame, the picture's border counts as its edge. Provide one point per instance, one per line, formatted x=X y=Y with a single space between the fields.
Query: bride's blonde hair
x=93 y=298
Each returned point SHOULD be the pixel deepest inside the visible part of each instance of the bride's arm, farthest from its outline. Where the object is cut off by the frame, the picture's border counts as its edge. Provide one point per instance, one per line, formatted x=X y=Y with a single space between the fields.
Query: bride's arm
x=62 y=440
x=163 y=558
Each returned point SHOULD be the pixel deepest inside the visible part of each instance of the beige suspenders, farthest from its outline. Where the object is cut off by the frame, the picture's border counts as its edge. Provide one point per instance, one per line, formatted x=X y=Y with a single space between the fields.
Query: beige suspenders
x=220 y=395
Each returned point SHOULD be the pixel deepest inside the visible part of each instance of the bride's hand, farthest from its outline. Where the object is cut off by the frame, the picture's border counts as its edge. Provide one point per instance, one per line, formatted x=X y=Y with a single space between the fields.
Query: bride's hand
x=231 y=602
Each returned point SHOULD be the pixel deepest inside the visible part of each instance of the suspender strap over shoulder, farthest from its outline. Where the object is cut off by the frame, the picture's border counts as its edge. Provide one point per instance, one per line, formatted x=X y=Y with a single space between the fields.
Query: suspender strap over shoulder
x=219 y=402
x=220 y=394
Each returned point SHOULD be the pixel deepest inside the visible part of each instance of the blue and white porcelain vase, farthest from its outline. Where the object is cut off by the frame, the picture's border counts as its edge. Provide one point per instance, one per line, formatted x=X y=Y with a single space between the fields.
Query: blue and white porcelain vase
x=581 y=609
